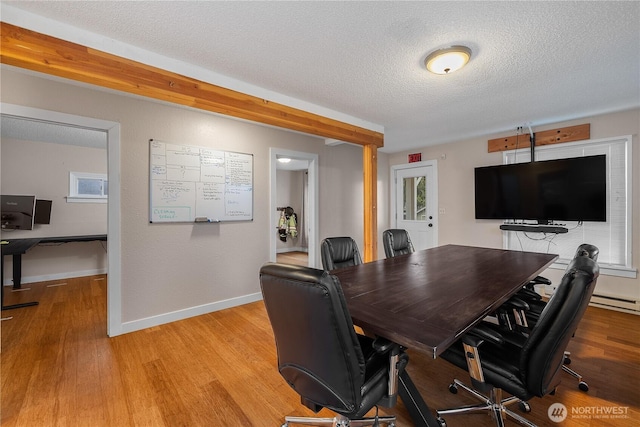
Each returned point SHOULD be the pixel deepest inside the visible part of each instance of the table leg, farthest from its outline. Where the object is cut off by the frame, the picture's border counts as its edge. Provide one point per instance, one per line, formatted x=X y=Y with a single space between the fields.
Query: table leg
x=12 y=306
x=418 y=409
x=17 y=271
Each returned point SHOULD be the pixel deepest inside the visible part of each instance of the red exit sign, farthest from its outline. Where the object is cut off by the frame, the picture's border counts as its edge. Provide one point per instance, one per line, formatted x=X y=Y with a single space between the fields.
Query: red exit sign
x=416 y=157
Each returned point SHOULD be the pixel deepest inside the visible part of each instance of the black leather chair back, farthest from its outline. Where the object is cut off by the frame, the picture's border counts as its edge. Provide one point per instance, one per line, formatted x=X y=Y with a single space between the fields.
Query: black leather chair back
x=396 y=242
x=339 y=252
x=542 y=354
x=587 y=250
x=319 y=354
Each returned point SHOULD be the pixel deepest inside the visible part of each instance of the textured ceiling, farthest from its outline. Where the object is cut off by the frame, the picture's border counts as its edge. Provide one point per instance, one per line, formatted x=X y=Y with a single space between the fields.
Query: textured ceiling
x=532 y=63
x=40 y=131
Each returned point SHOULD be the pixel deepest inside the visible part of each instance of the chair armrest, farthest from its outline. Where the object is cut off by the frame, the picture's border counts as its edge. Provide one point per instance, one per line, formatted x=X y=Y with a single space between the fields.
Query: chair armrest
x=383 y=345
x=398 y=360
x=517 y=303
x=481 y=333
x=528 y=294
x=471 y=341
x=539 y=280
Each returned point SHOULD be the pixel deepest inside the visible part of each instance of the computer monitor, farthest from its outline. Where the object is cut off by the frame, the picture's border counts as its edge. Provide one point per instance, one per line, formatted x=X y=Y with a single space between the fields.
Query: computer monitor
x=17 y=212
x=43 y=212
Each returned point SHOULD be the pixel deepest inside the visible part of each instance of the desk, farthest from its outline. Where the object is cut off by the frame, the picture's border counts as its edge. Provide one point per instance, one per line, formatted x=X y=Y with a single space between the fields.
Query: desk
x=18 y=247
x=429 y=299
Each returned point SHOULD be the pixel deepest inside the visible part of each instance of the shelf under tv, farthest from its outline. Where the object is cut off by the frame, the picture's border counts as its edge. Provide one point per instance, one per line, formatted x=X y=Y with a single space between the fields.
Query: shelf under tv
x=535 y=228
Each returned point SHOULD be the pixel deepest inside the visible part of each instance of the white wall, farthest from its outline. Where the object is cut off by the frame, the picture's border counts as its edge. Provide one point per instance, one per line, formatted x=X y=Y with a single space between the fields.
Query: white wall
x=456 y=195
x=173 y=268
x=42 y=169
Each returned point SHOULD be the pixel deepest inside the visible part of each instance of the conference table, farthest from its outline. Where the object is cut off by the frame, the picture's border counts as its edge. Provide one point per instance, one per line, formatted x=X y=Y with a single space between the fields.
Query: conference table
x=428 y=299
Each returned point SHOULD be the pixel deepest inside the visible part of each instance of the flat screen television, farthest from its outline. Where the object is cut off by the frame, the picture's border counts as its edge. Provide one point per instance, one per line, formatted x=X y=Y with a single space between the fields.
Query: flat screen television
x=573 y=189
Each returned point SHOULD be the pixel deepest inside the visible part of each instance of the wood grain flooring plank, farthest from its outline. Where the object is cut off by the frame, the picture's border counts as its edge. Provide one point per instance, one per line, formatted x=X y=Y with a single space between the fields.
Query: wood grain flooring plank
x=60 y=369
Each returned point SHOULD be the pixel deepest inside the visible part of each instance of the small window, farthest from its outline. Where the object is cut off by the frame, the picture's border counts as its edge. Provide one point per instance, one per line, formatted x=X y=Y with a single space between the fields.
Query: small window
x=88 y=187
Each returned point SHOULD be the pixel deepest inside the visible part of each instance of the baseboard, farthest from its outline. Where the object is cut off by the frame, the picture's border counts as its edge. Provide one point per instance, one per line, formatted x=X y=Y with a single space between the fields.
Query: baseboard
x=137 y=325
x=8 y=281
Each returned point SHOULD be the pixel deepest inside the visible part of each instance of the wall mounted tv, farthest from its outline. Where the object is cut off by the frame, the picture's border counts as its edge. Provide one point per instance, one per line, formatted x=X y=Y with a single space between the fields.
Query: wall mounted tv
x=22 y=212
x=573 y=189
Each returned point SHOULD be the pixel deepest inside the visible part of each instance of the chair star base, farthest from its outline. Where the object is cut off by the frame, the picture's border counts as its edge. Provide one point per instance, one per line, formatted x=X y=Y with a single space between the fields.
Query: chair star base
x=493 y=403
x=340 y=421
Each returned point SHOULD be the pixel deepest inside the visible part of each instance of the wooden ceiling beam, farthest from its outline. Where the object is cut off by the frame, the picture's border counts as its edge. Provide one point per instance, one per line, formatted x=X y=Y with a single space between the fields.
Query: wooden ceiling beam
x=42 y=53
x=39 y=52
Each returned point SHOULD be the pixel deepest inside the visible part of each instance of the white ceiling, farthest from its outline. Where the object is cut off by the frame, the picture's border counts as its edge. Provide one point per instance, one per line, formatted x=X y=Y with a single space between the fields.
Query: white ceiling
x=533 y=62
x=41 y=131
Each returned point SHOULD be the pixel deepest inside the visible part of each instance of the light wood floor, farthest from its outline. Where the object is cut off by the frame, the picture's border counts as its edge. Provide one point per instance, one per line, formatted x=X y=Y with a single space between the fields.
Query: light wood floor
x=296 y=257
x=60 y=369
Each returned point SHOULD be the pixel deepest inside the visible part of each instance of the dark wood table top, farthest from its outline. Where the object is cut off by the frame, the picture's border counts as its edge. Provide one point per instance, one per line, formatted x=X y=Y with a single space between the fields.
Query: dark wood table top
x=428 y=299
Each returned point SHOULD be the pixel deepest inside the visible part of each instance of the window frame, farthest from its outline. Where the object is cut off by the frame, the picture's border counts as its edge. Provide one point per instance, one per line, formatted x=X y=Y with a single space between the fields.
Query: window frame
x=512 y=240
x=75 y=196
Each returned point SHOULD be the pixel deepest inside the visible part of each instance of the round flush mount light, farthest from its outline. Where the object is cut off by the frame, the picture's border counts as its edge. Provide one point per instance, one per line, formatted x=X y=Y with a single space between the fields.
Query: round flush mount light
x=446 y=61
x=284 y=159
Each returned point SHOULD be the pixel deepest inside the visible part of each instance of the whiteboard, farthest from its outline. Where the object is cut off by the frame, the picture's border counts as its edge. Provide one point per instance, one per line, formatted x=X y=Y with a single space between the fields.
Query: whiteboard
x=199 y=184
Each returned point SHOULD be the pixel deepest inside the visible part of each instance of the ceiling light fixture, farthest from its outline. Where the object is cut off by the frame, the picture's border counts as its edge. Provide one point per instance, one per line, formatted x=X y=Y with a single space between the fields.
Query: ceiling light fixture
x=284 y=159
x=446 y=61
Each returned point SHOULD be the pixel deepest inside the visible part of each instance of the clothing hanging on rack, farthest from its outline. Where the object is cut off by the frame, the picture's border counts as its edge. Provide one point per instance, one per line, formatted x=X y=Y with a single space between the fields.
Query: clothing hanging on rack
x=282 y=226
x=287 y=223
x=292 y=223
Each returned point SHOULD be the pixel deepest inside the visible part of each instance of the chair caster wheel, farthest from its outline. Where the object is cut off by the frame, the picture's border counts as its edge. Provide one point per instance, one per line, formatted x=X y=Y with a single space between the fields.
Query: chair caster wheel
x=453 y=388
x=524 y=406
x=583 y=386
x=442 y=422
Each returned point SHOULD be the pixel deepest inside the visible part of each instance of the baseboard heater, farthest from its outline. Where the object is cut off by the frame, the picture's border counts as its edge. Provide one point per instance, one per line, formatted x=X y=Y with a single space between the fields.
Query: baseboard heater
x=613 y=303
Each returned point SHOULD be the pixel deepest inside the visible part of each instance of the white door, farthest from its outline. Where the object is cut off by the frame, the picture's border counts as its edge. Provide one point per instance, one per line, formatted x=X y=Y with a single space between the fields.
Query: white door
x=415 y=202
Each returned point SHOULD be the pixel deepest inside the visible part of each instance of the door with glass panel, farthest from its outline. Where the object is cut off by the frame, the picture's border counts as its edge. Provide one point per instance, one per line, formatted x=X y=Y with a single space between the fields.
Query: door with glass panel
x=415 y=202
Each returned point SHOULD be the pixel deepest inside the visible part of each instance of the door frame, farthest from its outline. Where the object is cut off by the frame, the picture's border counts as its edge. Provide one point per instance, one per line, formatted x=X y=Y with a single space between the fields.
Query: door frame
x=313 y=201
x=112 y=129
x=434 y=191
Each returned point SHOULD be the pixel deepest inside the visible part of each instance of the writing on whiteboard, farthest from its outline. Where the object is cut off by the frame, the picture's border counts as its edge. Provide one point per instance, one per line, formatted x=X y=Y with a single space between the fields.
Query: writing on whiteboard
x=188 y=182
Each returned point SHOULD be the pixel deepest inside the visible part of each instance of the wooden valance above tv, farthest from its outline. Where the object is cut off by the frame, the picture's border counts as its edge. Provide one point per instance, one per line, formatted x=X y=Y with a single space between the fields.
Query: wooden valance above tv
x=547 y=137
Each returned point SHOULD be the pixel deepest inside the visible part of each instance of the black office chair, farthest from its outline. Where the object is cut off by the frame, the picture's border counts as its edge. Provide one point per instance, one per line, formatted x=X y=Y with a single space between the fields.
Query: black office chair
x=319 y=353
x=523 y=366
x=535 y=301
x=396 y=242
x=536 y=305
x=339 y=252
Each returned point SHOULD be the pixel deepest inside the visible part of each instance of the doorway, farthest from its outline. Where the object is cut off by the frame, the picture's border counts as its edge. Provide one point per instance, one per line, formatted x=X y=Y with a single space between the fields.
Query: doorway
x=306 y=166
x=112 y=130
x=414 y=202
